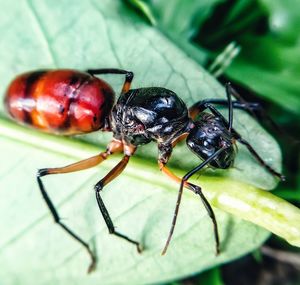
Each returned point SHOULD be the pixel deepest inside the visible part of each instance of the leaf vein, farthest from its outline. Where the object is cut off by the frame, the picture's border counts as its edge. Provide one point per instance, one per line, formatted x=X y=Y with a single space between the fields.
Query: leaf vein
x=43 y=32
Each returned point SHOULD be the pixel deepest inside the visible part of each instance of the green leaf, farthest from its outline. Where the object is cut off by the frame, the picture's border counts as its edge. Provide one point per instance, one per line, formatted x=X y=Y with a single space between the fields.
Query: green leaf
x=180 y=17
x=141 y=203
x=94 y=34
x=144 y=8
x=178 y=20
x=32 y=237
x=211 y=277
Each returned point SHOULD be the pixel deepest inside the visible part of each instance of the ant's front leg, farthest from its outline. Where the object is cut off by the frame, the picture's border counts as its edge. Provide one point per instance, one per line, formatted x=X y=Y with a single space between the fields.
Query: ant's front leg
x=197 y=190
x=254 y=109
x=259 y=159
x=239 y=103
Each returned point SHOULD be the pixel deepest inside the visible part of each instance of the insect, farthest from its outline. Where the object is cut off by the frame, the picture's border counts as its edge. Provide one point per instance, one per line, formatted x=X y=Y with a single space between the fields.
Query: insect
x=70 y=102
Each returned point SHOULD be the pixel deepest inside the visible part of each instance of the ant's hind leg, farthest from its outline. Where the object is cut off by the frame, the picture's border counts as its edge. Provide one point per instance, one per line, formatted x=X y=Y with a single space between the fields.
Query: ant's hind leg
x=114 y=146
x=84 y=164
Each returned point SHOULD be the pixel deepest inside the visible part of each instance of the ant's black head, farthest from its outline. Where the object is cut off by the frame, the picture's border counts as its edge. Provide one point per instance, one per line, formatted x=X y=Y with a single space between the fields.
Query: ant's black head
x=207 y=136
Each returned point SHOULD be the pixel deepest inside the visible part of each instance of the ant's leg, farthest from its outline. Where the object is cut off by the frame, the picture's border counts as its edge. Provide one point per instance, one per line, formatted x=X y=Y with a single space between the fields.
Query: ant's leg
x=81 y=165
x=195 y=189
x=200 y=106
x=259 y=159
x=252 y=108
x=255 y=111
x=128 y=75
x=230 y=108
x=84 y=164
x=216 y=113
x=230 y=91
x=179 y=139
x=116 y=171
x=240 y=103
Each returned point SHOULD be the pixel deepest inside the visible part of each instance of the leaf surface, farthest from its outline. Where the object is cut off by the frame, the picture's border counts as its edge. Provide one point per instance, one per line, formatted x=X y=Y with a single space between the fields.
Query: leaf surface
x=95 y=34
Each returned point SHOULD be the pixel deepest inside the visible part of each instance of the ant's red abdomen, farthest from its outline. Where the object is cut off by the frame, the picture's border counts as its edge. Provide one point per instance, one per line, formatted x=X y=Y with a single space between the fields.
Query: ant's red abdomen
x=60 y=101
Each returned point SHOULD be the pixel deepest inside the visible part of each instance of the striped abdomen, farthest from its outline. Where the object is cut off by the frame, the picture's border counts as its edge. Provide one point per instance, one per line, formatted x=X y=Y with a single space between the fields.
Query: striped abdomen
x=60 y=101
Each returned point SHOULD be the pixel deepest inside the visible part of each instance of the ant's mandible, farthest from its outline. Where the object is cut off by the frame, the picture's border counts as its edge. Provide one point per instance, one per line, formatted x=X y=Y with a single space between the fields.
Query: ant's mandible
x=70 y=102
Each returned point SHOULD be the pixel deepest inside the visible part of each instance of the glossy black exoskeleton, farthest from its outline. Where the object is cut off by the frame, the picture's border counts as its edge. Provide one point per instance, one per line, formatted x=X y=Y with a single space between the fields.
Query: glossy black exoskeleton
x=150 y=114
x=139 y=117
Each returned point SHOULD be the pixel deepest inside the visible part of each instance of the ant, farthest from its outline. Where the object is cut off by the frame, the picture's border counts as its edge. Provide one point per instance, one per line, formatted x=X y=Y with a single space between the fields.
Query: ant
x=70 y=102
